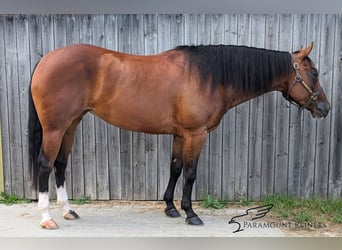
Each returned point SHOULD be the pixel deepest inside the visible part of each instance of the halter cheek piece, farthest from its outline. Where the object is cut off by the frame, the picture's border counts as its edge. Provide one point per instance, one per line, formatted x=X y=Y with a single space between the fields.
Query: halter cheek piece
x=313 y=95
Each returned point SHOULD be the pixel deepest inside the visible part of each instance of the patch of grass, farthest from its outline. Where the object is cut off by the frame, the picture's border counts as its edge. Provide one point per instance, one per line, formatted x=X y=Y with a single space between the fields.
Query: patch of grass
x=81 y=201
x=304 y=216
x=337 y=218
x=11 y=199
x=305 y=210
x=210 y=202
x=244 y=201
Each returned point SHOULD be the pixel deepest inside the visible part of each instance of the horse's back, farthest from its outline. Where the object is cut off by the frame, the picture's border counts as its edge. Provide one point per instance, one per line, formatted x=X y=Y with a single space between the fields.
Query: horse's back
x=153 y=94
x=128 y=91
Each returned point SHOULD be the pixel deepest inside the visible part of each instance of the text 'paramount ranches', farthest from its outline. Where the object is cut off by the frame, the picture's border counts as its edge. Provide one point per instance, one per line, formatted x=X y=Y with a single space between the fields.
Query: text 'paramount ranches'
x=289 y=225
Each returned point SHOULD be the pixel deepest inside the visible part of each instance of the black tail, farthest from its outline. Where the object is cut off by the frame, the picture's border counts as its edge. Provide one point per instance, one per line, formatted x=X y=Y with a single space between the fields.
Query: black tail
x=35 y=140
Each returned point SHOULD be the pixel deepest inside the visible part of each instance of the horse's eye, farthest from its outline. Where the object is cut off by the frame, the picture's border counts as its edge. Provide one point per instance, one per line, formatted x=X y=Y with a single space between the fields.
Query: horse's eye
x=314 y=73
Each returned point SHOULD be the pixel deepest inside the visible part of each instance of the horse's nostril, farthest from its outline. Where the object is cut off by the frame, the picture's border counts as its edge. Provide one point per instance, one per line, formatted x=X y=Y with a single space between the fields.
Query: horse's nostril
x=323 y=108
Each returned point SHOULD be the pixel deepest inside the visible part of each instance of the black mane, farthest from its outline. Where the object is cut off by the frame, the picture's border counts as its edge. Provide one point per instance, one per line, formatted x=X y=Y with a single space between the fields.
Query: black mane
x=243 y=68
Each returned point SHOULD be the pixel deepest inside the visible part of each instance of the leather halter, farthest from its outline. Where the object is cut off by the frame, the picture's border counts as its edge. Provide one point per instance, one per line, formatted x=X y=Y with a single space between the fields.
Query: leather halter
x=313 y=95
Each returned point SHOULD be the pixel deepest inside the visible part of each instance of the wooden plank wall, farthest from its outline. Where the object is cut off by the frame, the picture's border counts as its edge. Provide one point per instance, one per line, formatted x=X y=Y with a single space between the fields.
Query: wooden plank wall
x=1 y=166
x=264 y=146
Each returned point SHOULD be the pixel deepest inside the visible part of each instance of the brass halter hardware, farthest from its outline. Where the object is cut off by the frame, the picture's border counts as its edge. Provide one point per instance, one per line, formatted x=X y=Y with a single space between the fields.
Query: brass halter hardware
x=299 y=79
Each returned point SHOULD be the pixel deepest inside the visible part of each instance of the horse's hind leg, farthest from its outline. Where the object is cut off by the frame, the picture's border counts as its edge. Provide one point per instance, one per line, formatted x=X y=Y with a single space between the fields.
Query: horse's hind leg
x=60 y=167
x=48 y=153
x=175 y=172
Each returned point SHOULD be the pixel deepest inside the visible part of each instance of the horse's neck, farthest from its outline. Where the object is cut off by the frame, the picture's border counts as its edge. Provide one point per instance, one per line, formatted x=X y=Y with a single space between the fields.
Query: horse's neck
x=234 y=98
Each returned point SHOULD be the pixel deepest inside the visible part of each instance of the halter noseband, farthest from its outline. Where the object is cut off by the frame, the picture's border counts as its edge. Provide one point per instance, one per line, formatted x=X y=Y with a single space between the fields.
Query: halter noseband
x=299 y=79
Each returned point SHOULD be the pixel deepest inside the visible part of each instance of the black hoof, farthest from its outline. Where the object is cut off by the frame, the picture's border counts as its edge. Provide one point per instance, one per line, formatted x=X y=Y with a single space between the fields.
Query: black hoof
x=71 y=215
x=173 y=213
x=196 y=221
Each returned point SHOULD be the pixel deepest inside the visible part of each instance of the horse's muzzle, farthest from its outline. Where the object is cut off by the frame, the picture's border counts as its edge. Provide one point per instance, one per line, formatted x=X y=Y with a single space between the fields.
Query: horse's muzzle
x=321 y=110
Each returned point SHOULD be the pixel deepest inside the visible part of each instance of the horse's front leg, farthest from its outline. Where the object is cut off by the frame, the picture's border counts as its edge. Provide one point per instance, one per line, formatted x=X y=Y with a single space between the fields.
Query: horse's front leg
x=191 y=150
x=175 y=172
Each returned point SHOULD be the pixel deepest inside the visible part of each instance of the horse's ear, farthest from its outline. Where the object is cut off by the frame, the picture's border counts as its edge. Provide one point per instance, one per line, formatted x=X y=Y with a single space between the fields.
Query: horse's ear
x=307 y=51
x=302 y=53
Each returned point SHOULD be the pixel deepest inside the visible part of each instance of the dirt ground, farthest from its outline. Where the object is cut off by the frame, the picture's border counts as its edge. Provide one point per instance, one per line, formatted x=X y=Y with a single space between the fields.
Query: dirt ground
x=326 y=229
x=146 y=219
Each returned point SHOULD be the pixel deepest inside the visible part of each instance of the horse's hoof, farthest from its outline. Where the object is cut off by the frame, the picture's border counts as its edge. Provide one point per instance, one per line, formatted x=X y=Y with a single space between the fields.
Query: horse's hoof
x=173 y=213
x=71 y=215
x=49 y=224
x=196 y=221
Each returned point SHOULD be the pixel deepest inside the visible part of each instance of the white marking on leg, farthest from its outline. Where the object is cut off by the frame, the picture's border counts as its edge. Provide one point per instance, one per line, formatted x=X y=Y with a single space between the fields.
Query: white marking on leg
x=62 y=197
x=43 y=206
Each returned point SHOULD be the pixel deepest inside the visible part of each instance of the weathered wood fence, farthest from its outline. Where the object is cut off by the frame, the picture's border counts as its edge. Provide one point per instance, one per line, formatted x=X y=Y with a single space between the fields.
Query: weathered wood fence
x=264 y=146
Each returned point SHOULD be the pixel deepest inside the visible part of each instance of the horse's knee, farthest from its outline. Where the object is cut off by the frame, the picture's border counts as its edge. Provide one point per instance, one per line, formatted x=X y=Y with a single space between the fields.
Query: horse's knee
x=190 y=176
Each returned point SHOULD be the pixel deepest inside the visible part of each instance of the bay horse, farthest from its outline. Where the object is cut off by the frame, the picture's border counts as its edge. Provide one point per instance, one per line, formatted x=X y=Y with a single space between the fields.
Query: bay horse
x=184 y=92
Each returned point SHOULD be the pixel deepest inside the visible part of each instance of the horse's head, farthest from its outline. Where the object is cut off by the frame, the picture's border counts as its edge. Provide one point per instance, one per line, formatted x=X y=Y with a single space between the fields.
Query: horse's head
x=305 y=89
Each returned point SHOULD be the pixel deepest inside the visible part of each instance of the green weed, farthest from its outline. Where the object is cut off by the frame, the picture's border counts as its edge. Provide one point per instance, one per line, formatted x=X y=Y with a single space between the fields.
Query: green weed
x=305 y=210
x=210 y=202
x=304 y=216
x=81 y=201
x=12 y=199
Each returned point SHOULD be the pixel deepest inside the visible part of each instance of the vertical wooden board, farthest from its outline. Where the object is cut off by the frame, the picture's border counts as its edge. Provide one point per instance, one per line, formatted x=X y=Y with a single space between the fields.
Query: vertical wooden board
x=36 y=53
x=335 y=166
x=151 y=141
x=282 y=115
x=177 y=38
x=60 y=37
x=24 y=75
x=296 y=116
x=307 y=171
x=215 y=137
x=228 y=124
x=11 y=57
x=101 y=149
x=74 y=169
x=36 y=50
x=164 y=141
x=202 y=180
x=113 y=133
x=4 y=152
x=48 y=44
x=1 y=164
x=326 y=77
x=124 y=45
x=190 y=38
x=138 y=139
x=242 y=122
x=59 y=27
x=4 y=110
x=256 y=118
x=88 y=125
x=269 y=115
x=190 y=29
x=72 y=29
